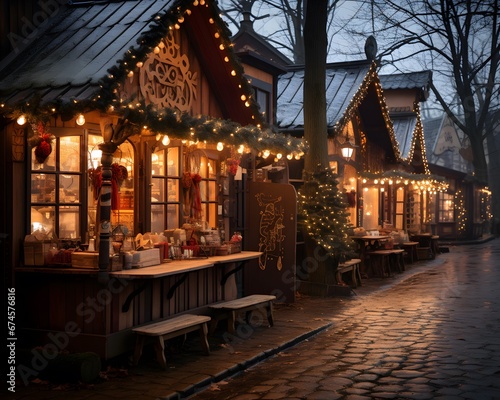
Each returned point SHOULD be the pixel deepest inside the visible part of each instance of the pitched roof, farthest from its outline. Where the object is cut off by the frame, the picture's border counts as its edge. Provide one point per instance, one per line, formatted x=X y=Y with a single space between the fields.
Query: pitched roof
x=410 y=80
x=432 y=128
x=343 y=80
x=350 y=86
x=86 y=43
x=404 y=127
x=407 y=123
x=248 y=43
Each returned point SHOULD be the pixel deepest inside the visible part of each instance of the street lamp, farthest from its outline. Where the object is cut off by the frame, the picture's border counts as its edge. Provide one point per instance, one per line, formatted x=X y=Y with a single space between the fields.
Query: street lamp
x=347 y=148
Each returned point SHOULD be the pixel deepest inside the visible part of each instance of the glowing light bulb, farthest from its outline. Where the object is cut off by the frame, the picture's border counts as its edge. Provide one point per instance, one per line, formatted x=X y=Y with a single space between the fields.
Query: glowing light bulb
x=266 y=153
x=220 y=146
x=21 y=120
x=80 y=120
x=166 y=140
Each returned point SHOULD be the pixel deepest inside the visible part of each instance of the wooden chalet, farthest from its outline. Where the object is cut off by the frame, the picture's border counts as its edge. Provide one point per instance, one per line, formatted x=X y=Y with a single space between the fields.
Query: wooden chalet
x=462 y=212
x=111 y=116
x=388 y=162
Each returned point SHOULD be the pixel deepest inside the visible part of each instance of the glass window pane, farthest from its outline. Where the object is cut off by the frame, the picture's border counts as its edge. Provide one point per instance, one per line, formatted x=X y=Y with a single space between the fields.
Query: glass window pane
x=158 y=163
x=69 y=225
x=203 y=167
x=70 y=153
x=43 y=188
x=212 y=192
x=173 y=161
x=172 y=216
x=69 y=188
x=212 y=168
x=42 y=219
x=212 y=214
x=157 y=192
x=173 y=190
x=157 y=218
x=203 y=191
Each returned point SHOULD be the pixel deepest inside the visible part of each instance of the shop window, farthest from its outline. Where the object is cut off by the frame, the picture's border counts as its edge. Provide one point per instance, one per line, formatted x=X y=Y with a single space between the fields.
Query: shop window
x=400 y=201
x=370 y=208
x=262 y=97
x=413 y=212
x=446 y=207
x=208 y=190
x=56 y=189
x=182 y=193
x=432 y=208
x=165 y=189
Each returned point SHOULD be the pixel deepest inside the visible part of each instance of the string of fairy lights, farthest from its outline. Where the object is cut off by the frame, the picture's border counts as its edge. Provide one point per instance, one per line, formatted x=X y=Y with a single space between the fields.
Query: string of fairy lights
x=370 y=78
x=423 y=182
x=461 y=214
x=143 y=118
x=322 y=212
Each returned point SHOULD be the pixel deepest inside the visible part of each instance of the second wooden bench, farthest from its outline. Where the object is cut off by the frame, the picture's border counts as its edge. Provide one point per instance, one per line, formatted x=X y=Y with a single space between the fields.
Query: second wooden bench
x=170 y=328
x=229 y=310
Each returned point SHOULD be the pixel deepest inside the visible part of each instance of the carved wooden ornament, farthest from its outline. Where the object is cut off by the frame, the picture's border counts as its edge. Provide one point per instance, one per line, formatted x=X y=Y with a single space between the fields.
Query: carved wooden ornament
x=166 y=79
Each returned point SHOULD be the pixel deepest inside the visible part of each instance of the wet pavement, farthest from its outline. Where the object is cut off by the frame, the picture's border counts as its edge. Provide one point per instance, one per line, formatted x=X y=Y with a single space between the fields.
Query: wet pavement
x=432 y=332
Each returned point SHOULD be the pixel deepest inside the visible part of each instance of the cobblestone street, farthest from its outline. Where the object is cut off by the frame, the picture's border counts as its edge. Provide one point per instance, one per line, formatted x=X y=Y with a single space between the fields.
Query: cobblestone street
x=431 y=332
x=435 y=335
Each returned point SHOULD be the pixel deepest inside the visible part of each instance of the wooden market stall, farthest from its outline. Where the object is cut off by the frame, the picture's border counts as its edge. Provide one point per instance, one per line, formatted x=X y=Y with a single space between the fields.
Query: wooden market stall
x=128 y=127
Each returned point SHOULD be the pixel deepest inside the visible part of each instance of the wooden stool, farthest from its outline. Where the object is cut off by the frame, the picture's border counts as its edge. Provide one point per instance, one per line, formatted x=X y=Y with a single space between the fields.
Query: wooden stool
x=435 y=245
x=168 y=329
x=353 y=267
x=411 y=250
x=396 y=260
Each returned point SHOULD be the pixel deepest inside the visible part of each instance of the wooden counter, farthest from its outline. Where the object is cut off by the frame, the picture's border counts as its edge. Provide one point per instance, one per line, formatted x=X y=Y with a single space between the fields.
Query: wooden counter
x=104 y=314
x=183 y=266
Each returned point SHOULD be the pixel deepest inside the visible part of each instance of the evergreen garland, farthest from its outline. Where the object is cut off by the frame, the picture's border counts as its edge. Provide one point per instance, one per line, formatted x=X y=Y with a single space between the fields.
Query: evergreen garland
x=322 y=212
x=167 y=121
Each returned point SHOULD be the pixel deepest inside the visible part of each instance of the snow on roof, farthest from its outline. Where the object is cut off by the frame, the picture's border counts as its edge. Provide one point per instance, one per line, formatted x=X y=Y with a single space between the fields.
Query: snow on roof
x=82 y=43
x=342 y=82
x=404 y=129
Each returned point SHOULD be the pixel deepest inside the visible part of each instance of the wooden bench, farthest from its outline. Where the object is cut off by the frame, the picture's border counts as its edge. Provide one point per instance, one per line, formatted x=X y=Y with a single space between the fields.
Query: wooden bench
x=229 y=310
x=168 y=329
x=350 y=266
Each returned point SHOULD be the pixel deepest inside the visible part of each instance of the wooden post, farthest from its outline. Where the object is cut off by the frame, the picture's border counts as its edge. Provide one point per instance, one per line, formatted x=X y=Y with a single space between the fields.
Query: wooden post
x=105 y=210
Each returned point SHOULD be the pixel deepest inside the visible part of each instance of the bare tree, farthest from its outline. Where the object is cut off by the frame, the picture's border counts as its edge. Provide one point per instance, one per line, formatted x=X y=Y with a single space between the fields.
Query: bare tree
x=287 y=20
x=315 y=125
x=460 y=42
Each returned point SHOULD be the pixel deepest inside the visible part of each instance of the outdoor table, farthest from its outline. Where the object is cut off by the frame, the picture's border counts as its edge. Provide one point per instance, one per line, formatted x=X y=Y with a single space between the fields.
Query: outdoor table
x=427 y=241
x=368 y=243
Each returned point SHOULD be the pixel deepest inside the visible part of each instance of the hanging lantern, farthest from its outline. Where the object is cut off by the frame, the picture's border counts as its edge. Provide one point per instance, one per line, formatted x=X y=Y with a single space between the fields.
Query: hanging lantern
x=347 y=148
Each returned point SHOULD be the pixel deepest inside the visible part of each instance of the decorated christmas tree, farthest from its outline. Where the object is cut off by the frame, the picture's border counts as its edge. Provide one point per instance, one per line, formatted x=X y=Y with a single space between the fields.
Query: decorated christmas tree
x=322 y=214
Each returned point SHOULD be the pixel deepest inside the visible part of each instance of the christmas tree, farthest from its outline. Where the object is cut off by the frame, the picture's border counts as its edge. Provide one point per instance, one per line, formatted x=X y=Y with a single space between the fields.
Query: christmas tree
x=322 y=213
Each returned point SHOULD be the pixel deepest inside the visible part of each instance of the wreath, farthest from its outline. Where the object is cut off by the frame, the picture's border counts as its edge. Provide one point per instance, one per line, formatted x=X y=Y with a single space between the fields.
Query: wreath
x=41 y=141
